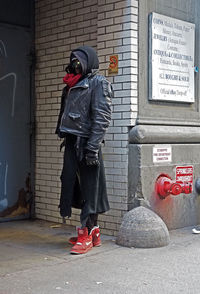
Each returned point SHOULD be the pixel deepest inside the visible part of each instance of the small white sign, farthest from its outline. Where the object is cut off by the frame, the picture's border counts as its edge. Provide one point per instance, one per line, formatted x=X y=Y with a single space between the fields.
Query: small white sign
x=162 y=153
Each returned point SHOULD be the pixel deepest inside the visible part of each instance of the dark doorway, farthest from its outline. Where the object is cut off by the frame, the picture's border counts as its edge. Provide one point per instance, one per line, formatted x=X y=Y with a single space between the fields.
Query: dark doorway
x=15 y=111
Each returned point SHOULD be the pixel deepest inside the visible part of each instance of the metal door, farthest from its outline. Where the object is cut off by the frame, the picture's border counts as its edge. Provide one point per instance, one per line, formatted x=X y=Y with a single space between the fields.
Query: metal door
x=14 y=122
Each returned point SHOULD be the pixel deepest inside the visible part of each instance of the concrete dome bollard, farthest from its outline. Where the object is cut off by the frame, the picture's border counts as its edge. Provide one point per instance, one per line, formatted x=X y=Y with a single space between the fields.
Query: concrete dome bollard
x=142 y=228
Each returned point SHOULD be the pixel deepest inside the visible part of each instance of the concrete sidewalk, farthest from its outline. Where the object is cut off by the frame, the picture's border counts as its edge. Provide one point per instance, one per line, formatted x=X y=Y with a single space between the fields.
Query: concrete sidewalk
x=35 y=259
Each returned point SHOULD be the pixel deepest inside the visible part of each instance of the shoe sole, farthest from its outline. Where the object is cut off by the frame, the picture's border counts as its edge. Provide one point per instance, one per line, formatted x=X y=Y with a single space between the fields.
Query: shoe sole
x=78 y=252
x=195 y=231
x=98 y=245
x=73 y=243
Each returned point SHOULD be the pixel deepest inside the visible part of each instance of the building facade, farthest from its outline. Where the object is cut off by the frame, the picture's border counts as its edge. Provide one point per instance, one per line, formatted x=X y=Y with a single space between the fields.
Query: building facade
x=152 y=134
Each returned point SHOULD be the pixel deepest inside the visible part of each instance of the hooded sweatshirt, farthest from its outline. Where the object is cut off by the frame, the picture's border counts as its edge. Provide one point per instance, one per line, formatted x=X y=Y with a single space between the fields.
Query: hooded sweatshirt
x=87 y=57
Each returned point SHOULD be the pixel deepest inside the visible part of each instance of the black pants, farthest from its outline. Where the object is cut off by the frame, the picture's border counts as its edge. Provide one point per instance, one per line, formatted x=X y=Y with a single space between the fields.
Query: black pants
x=91 y=221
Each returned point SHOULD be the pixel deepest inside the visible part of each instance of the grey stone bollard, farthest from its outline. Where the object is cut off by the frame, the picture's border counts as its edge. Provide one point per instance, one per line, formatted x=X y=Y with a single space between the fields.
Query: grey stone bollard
x=142 y=228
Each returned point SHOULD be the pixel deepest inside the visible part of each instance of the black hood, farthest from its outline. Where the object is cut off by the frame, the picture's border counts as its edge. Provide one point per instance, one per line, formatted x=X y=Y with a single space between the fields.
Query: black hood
x=87 y=57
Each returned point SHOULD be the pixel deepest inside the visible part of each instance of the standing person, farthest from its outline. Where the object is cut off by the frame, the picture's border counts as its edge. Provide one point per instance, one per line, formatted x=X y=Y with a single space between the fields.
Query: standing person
x=84 y=117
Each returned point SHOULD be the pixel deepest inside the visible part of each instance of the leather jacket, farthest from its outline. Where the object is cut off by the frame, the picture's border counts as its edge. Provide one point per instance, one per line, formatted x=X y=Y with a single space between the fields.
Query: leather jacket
x=86 y=110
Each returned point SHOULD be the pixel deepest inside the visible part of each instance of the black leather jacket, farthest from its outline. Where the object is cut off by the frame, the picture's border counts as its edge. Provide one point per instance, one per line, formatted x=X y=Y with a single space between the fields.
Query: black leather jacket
x=86 y=110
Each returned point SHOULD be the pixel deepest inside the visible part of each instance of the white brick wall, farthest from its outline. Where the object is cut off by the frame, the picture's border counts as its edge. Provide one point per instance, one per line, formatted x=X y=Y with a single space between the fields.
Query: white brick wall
x=110 y=26
x=117 y=34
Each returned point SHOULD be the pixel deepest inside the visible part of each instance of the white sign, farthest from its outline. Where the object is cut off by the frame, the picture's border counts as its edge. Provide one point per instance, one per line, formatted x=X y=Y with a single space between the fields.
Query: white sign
x=162 y=153
x=171 y=59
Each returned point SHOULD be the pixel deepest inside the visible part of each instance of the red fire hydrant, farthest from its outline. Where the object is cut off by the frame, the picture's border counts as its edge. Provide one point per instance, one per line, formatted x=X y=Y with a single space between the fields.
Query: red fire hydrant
x=165 y=186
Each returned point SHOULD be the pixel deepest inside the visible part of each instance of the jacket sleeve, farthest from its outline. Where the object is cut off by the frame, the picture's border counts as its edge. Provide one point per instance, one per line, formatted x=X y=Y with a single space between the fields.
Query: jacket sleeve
x=62 y=106
x=100 y=114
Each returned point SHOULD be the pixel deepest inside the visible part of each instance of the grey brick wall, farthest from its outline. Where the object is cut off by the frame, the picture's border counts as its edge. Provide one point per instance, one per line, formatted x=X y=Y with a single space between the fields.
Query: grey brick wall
x=110 y=26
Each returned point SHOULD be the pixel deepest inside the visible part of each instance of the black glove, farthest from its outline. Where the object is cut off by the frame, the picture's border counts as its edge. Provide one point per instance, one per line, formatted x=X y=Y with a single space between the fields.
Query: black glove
x=92 y=158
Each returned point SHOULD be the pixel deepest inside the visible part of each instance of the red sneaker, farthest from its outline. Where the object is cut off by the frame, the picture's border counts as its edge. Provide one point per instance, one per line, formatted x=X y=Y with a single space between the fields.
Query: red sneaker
x=95 y=237
x=73 y=240
x=84 y=242
x=96 y=240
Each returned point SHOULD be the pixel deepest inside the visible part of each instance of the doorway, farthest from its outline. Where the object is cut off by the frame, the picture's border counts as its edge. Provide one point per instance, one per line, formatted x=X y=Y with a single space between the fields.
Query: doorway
x=15 y=123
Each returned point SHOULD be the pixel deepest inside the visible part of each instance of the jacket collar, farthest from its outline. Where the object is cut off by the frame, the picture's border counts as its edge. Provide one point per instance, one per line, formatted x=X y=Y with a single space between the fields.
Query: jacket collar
x=84 y=83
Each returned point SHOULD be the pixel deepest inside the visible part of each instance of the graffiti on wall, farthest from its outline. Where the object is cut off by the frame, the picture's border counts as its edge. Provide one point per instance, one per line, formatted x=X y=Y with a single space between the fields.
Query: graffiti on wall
x=8 y=85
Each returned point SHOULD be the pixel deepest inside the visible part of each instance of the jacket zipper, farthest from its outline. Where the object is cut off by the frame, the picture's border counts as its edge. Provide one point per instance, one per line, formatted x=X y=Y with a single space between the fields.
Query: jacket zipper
x=67 y=98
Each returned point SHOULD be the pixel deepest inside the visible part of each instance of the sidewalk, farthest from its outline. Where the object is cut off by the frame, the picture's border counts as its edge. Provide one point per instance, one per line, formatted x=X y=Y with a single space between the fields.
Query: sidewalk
x=35 y=259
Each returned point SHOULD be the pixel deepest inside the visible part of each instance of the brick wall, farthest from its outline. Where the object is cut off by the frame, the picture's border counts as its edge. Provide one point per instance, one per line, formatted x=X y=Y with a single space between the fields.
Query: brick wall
x=110 y=26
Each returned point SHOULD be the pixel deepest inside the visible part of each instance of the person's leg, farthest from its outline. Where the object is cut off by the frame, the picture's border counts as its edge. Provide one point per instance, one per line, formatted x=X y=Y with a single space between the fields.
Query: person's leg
x=95 y=231
x=92 y=221
x=84 y=240
x=89 y=184
x=93 y=191
x=68 y=177
x=94 y=200
x=89 y=223
x=83 y=243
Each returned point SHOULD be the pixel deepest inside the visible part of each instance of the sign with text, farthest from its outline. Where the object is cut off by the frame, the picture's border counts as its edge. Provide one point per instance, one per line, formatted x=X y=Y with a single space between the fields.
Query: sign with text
x=171 y=59
x=184 y=174
x=113 y=65
x=162 y=153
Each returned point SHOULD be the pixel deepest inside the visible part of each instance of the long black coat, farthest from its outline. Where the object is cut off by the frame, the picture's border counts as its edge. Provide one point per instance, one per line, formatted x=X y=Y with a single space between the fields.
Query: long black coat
x=83 y=186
